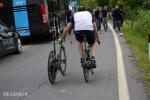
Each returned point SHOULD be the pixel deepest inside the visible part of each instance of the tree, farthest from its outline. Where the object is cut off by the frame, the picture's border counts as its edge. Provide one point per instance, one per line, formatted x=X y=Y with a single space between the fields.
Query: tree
x=146 y=4
x=112 y=2
x=133 y=4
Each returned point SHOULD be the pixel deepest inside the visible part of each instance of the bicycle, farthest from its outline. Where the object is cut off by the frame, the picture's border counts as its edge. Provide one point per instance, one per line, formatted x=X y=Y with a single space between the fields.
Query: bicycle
x=57 y=60
x=87 y=66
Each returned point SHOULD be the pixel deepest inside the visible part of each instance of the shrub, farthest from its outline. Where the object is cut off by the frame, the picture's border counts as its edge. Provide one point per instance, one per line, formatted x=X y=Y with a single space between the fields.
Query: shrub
x=142 y=24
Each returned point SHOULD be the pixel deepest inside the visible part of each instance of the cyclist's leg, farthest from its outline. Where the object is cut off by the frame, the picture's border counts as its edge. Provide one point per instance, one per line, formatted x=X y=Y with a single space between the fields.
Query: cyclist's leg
x=81 y=50
x=90 y=37
x=79 y=38
x=93 y=52
x=93 y=49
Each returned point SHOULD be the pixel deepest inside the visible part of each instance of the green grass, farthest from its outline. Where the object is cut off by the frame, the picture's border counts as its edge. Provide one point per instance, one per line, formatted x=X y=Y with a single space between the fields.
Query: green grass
x=139 y=44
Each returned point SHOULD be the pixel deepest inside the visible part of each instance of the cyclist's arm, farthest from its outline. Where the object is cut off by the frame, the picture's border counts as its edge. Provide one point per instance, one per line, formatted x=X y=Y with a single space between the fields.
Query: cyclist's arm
x=66 y=31
x=95 y=31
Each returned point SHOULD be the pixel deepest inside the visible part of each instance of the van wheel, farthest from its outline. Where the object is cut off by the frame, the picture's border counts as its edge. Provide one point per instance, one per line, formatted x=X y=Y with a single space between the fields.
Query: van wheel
x=19 y=46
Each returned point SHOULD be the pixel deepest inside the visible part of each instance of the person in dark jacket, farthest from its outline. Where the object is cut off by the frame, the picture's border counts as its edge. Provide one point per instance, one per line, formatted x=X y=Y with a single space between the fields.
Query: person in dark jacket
x=122 y=13
x=117 y=16
x=105 y=17
x=98 y=17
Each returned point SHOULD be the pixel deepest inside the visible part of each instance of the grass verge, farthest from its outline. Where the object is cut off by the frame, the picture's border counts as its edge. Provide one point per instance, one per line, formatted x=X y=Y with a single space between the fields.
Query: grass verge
x=139 y=44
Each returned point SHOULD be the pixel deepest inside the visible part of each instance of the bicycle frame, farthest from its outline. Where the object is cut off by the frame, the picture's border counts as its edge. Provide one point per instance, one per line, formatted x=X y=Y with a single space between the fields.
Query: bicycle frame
x=86 y=49
x=87 y=55
x=56 y=32
x=87 y=66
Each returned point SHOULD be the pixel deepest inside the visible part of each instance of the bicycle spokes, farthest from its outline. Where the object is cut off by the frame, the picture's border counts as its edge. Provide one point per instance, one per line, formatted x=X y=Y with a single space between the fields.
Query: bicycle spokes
x=63 y=59
x=86 y=74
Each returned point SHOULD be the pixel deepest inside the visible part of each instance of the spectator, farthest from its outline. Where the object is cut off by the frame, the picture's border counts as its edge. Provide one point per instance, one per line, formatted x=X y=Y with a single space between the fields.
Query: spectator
x=116 y=14
x=122 y=13
x=105 y=17
x=70 y=17
x=98 y=17
x=68 y=13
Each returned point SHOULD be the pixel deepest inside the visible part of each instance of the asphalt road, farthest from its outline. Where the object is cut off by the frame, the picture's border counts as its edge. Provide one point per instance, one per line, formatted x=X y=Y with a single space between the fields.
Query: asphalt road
x=24 y=76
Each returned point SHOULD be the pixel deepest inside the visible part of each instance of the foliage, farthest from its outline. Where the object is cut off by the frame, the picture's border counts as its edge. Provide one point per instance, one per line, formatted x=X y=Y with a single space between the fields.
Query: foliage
x=137 y=39
x=88 y=3
x=130 y=3
x=143 y=23
x=146 y=4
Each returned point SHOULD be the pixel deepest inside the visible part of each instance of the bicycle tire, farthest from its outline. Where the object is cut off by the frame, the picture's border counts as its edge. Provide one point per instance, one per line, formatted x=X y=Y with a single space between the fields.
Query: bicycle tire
x=52 y=71
x=86 y=74
x=63 y=60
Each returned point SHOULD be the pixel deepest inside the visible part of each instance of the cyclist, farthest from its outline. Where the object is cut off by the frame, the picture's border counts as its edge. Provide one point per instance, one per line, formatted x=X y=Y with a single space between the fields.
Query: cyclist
x=82 y=21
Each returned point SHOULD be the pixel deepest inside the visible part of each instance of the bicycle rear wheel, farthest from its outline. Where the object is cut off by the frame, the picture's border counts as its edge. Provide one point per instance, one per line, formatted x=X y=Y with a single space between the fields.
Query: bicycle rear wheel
x=86 y=74
x=63 y=60
x=52 y=71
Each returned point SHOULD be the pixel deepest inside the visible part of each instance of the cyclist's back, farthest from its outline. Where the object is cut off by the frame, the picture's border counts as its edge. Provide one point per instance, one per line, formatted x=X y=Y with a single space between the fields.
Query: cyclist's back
x=83 y=21
x=83 y=24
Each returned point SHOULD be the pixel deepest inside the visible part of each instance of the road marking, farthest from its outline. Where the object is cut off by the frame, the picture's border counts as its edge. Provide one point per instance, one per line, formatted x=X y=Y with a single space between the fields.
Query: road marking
x=122 y=80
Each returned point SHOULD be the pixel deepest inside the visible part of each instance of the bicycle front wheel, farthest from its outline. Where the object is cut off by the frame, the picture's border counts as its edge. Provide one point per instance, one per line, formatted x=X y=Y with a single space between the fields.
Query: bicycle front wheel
x=86 y=74
x=63 y=60
x=52 y=71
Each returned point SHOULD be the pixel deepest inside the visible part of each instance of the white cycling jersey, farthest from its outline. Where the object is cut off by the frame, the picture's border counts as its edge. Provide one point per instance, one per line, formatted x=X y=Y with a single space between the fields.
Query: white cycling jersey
x=83 y=21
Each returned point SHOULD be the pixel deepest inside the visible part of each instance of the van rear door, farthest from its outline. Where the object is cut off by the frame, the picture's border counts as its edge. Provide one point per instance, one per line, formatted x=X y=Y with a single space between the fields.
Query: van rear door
x=34 y=15
x=21 y=17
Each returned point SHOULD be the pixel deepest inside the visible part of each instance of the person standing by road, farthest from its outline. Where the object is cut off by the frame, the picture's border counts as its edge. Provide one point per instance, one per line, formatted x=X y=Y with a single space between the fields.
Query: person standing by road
x=105 y=17
x=82 y=21
x=116 y=14
x=98 y=18
x=72 y=13
x=122 y=13
x=69 y=13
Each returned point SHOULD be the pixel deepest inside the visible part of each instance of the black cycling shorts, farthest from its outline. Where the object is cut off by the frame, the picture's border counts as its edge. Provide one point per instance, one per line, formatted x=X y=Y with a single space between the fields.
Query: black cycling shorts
x=89 y=35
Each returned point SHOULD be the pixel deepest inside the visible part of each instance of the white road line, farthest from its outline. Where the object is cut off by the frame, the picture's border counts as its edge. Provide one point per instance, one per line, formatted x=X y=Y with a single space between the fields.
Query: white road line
x=122 y=80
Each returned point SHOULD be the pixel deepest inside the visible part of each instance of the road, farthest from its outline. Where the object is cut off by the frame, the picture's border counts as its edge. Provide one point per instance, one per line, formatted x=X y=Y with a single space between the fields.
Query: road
x=26 y=73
